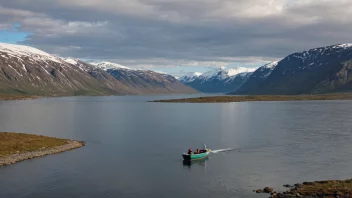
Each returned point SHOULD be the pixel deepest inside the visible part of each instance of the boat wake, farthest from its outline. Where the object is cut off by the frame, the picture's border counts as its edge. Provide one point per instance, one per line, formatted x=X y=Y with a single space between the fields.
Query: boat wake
x=222 y=150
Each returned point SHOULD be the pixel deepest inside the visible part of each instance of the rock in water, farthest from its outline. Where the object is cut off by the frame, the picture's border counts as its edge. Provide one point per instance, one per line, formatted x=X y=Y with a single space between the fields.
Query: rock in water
x=268 y=190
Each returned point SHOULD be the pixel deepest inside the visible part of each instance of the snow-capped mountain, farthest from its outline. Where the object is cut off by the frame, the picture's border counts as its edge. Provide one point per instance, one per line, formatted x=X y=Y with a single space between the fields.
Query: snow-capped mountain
x=319 y=70
x=189 y=77
x=223 y=73
x=220 y=80
x=146 y=80
x=27 y=70
x=70 y=60
x=21 y=51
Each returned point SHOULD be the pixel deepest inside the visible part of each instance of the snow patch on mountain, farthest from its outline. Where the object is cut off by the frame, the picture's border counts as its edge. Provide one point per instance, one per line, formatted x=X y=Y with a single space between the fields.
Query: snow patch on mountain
x=322 y=50
x=72 y=61
x=209 y=74
x=236 y=71
x=267 y=69
x=19 y=51
x=108 y=65
x=243 y=75
x=189 y=77
x=160 y=72
x=271 y=65
x=346 y=45
x=224 y=73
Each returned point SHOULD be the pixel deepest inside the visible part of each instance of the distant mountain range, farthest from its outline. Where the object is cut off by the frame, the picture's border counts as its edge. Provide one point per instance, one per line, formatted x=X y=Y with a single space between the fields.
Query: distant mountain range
x=319 y=70
x=26 y=70
x=220 y=80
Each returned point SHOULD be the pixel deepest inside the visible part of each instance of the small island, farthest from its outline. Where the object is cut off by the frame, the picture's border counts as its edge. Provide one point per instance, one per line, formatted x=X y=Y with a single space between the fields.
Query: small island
x=227 y=99
x=16 y=147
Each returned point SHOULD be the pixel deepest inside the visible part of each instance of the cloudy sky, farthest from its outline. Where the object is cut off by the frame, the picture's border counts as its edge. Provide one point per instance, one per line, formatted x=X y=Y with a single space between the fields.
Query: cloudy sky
x=176 y=36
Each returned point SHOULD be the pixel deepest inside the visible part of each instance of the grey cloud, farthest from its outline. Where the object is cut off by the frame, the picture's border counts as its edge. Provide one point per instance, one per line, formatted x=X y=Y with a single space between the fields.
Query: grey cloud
x=175 y=32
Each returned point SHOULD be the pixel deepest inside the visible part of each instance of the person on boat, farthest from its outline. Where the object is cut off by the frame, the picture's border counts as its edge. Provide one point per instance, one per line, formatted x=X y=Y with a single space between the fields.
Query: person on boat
x=204 y=150
x=190 y=151
x=197 y=152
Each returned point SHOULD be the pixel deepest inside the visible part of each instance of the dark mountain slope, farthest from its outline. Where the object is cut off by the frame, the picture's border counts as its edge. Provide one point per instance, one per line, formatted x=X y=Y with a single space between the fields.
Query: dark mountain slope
x=320 y=70
x=149 y=81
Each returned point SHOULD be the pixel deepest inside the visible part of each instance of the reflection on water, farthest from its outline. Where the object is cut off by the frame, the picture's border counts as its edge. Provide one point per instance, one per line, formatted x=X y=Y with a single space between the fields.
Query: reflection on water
x=201 y=163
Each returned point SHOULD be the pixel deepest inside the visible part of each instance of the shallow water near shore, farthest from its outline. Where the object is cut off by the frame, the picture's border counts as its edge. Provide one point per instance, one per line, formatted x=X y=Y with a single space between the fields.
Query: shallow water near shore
x=134 y=147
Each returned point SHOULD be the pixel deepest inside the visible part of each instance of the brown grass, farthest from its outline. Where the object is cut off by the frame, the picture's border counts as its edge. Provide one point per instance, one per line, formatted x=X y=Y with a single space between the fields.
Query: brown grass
x=12 y=143
x=328 y=188
x=226 y=99
x=17 y=97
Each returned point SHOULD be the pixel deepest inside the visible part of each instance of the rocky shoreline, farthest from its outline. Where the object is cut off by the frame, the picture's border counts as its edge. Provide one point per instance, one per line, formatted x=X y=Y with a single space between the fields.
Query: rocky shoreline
x=326 y=189
x=12 y=159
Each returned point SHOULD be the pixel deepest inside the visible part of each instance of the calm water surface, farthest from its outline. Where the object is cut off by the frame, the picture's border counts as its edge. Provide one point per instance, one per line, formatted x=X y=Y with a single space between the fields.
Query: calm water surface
x=134 y=148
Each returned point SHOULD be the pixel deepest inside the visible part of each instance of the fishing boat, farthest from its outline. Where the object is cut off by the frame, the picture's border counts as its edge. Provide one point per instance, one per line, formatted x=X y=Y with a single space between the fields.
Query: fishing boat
x=194 y=156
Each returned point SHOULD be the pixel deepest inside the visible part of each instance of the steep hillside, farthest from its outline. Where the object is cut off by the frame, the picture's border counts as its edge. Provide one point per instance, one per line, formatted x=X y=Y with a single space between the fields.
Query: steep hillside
x=149 y=81
x=103 y=77
x=320 y=70
x=26 y=70
x=257 y=78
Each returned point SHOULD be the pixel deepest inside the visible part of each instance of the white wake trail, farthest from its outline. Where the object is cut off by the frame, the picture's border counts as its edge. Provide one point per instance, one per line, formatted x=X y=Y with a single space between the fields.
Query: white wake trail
x=222 y=150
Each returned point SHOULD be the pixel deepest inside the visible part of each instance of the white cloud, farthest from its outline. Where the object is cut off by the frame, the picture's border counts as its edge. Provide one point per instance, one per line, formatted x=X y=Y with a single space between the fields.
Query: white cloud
x=42 y=25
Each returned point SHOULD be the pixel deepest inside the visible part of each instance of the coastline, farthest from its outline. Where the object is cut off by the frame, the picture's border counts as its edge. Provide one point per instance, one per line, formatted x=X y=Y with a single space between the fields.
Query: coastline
x=15 y=158
x=34 y=97
x=17 y=97
x=327 y=189
x=17 y=147
x=254 y=98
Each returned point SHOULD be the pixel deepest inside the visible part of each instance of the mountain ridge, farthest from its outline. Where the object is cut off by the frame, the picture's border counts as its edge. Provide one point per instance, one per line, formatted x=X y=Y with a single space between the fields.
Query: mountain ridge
x=26 y=70
x=319 y=70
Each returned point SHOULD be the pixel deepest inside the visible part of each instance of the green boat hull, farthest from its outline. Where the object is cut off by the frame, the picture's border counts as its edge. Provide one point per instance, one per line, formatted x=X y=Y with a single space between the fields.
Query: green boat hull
x=195 y=156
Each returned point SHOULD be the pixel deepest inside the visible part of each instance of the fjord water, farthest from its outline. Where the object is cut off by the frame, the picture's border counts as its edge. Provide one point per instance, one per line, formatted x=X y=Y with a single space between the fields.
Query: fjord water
x=134 y=147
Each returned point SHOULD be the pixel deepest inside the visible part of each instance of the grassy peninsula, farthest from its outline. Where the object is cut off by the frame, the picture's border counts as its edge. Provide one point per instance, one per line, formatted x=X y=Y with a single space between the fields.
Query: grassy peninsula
x=16 y=147
x=17 y=97
x=226 y=99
